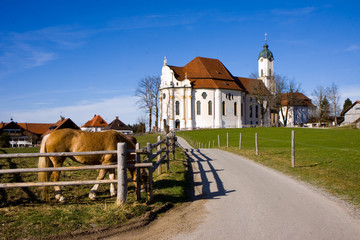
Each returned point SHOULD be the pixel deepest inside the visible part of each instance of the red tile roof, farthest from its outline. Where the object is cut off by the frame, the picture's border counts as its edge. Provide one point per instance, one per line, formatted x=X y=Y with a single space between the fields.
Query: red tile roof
x=96 y=121
x=36 y=128
x=211 y=73
x=301 y=99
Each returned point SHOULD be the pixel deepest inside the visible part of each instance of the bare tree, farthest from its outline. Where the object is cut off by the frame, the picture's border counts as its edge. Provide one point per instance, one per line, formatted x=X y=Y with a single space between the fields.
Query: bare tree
x=286 y=92
x=144 y=91
x=334 y=97
x=155 y=90
x=321 y=102
x=263 y=97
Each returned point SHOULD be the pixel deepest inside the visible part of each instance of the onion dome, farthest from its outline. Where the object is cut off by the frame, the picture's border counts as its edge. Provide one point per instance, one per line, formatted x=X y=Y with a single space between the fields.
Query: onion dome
x=266 y=53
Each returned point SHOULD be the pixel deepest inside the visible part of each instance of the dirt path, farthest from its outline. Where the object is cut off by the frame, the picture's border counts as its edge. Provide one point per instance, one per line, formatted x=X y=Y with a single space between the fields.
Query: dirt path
x=235 y=198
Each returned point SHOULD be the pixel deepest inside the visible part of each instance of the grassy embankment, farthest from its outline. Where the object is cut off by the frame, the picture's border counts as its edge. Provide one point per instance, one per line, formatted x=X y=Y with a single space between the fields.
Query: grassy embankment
x=326 y=158
x=23 y=216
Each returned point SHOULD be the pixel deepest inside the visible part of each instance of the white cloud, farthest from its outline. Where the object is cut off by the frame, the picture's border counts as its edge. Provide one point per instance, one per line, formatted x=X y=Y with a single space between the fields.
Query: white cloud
x=294 y=12
x=352 y=48
x=125 y=107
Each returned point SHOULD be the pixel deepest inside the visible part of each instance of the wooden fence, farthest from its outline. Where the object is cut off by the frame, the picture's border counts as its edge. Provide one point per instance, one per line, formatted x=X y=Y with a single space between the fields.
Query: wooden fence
x=121 y=166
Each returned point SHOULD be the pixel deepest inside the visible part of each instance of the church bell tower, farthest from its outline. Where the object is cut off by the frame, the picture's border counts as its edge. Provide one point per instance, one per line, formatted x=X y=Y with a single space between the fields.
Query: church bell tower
x=266 y=67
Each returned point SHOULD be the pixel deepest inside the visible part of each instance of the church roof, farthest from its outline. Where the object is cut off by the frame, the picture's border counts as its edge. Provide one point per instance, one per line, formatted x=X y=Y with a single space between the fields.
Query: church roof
x=252 y=86
x=96 y=121
x=266 y=53
x=206 y=73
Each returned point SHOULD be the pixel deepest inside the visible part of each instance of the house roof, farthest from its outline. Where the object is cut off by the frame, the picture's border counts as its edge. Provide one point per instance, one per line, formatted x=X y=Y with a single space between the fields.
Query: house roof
x=96 y=121
x=36 y=128
x=62 y=123
x=301 y=99
x=343 y=113
x=117 y=125
x=252 y=86
x=211 y=73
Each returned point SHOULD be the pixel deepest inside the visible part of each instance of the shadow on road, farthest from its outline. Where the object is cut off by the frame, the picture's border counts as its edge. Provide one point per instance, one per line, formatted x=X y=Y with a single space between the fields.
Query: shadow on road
x=201 y=165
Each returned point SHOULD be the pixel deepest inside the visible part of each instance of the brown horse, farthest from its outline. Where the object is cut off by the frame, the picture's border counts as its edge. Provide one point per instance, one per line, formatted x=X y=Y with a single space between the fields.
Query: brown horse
x=70 y=140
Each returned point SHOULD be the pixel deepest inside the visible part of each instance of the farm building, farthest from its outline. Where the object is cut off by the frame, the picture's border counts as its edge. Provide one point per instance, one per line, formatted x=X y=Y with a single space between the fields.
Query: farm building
x=62 y=123
x=24 y=134
x=352 y=114
x=119 y=126
x=96 y=124
x=300 y=111
x=204 y=94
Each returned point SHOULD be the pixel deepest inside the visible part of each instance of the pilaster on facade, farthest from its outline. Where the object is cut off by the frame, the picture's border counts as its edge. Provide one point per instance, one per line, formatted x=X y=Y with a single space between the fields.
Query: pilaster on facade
x=218 y=109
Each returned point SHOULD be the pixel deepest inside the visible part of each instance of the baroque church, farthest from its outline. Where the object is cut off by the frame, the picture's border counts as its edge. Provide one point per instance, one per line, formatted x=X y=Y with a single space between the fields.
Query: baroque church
x=204 y=94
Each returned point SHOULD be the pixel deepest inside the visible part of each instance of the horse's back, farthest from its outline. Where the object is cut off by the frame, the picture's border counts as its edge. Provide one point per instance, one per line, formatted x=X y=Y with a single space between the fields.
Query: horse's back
x=71 y=140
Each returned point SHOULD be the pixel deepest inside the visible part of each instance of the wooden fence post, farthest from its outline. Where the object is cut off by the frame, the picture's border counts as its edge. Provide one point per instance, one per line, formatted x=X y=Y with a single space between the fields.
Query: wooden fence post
x=256 y=144
x=122 y=174
x=292 y=148
x=149 y=155
x=227 y=139
x=240 y=141
x=218 y=140
x=138 y=174
x=159 y=156
x=167 y=154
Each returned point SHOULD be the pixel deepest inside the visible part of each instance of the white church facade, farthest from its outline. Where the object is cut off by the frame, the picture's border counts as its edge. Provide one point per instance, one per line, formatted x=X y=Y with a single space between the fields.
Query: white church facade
x=204 y=94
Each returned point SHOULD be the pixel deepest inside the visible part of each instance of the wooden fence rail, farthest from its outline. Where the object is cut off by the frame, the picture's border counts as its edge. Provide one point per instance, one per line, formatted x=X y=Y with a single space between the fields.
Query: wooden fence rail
x=121 y=166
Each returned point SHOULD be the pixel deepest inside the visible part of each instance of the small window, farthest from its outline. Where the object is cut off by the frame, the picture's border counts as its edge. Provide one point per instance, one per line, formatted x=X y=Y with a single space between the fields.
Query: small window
x=198 y=108
x=250 y=111
x=262 y=72
x=223 y=108
x=235 y=109
x=256 y=111
x=210 y=108
x=177 y=108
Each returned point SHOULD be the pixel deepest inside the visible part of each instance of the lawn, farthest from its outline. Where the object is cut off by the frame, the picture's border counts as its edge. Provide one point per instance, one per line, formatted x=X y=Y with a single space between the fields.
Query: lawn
x=23 y=216
x=326 y=158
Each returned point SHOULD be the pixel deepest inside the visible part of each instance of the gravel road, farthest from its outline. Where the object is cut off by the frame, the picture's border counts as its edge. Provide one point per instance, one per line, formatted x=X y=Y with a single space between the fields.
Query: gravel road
x=235 y=198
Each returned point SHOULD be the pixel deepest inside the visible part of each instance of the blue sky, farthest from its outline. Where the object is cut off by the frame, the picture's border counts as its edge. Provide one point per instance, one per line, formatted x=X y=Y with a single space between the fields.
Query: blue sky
x=80 y=58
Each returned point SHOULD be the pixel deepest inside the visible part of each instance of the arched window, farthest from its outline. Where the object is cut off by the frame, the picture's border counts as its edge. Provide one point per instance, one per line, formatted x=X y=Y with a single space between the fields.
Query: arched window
x=177 y=108
x=256 y=111
x=269 y=72
x=198 y=108
x=210 y=108
x=223 y=108
x=235 y=108
x=262 y=73
x=242 y=109
x=250 y=111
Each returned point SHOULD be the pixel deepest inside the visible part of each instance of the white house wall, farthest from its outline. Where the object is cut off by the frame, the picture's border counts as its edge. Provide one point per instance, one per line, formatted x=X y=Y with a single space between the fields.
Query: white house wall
x=352 y=115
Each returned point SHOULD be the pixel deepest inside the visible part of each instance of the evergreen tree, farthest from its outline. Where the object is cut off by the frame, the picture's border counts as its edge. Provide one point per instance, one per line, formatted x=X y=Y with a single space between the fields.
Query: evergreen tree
x=347 y=104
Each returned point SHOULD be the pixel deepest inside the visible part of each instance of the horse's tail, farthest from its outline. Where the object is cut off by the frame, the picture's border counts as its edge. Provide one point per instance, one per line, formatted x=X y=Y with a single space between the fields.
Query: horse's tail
x=44 y=162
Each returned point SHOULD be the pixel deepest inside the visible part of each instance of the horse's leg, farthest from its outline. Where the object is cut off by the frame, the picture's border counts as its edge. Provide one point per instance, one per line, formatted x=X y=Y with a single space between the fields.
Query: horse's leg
x=92 y=194
x=112 y=187
x=57 y=162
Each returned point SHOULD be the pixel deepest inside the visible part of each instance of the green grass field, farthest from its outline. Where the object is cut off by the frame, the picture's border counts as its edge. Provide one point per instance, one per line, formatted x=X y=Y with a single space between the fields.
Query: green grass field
x=23 y=216
x=326 y=158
